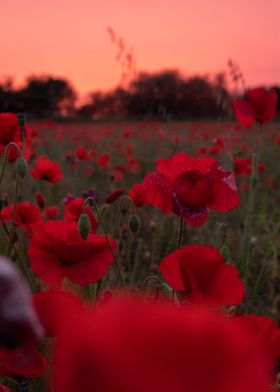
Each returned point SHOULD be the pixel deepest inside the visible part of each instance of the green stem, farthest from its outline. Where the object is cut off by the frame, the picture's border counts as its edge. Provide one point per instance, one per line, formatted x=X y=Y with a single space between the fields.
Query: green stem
x=5 y=157
x=13 y=227
x=124 y=199
x=22 y=265
x=245 y=244
x=93 y=205
x=149 y=278
x=180 y=233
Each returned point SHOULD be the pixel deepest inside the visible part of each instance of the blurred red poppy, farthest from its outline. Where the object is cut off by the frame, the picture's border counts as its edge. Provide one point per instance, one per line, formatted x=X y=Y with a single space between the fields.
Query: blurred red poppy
x=27 y=215
x=129 y=345
x=40 y=199
x=47 y=170
x=82 y=154
x=51 y=212
x=114 y=195
x=24 y=361
x=260 y=106
x=103 y=161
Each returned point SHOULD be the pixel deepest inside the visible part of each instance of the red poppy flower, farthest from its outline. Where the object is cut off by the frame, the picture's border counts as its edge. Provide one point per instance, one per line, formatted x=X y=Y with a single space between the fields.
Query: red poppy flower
x=103 y=161
x=137 y=195
x=243 y=166
x=40 y=200
x=11 y=132
x=10 y=129
x=57 y=250
x=189 y=187
x=24 y=361
x=74 y=209
x=261 y=106
x=55 y=308
x=51 y=212
x=200 y=271
x=82 y=154
x=114 y=195
x=27 y=215
x=266 y=333
x=134 y=346
x=47 y=170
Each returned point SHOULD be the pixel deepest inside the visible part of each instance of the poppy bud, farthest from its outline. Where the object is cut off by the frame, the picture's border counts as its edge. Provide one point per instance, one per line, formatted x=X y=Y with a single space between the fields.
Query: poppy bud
x=134 y=224
x=21 y=119
x=40 y=199
x=21 y=167
x=84 y=226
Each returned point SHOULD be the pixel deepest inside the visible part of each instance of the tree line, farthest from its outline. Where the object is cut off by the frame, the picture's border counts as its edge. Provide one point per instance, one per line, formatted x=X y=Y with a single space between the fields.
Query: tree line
x=164 y=95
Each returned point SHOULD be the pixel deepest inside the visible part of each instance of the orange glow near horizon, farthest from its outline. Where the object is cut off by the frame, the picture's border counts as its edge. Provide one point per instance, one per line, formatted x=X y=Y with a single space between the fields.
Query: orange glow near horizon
x=69 y=38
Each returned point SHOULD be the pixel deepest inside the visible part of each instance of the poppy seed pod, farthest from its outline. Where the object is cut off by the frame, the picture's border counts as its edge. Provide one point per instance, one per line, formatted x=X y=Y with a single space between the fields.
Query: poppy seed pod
x=21 y=167
x=84 y=226
x=134 y=224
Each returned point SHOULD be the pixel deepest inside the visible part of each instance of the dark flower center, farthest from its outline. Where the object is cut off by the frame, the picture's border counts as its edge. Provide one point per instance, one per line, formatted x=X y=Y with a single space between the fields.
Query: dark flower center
x=194 y=189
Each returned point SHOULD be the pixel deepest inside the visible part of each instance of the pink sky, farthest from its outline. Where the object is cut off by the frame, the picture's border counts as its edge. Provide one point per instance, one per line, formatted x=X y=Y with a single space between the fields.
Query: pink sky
x=69 y=38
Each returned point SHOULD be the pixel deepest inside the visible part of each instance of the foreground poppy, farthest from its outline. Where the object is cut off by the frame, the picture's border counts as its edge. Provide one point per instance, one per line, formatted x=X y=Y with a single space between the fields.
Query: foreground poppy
x=129 y=345
x=47 y=170
x=189 y=187
x=200 y=272
x=260 y=106
x=57 y=250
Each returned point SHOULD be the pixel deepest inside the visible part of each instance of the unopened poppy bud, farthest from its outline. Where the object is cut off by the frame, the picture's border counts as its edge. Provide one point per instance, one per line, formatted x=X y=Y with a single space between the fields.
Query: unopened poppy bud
x=21 y=167
x=21 y=119
x=134 y=224
x=84 y=226
x=40 y=199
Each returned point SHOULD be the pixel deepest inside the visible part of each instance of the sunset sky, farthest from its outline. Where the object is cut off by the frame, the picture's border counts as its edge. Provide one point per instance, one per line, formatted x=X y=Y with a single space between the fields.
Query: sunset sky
x=69 y=38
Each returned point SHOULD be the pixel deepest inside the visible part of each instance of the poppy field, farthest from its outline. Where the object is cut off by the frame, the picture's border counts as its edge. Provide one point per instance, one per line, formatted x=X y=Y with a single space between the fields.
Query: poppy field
x=141 y=256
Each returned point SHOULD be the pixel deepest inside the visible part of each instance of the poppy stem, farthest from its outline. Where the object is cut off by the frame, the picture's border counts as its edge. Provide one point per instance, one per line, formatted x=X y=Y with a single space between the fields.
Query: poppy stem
x=124 y=199
x=22 y=265
x=13 y=227
x=180 y=237
x=93 y=206
x=245 y=245
x=5 y=157
x=152 y=277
